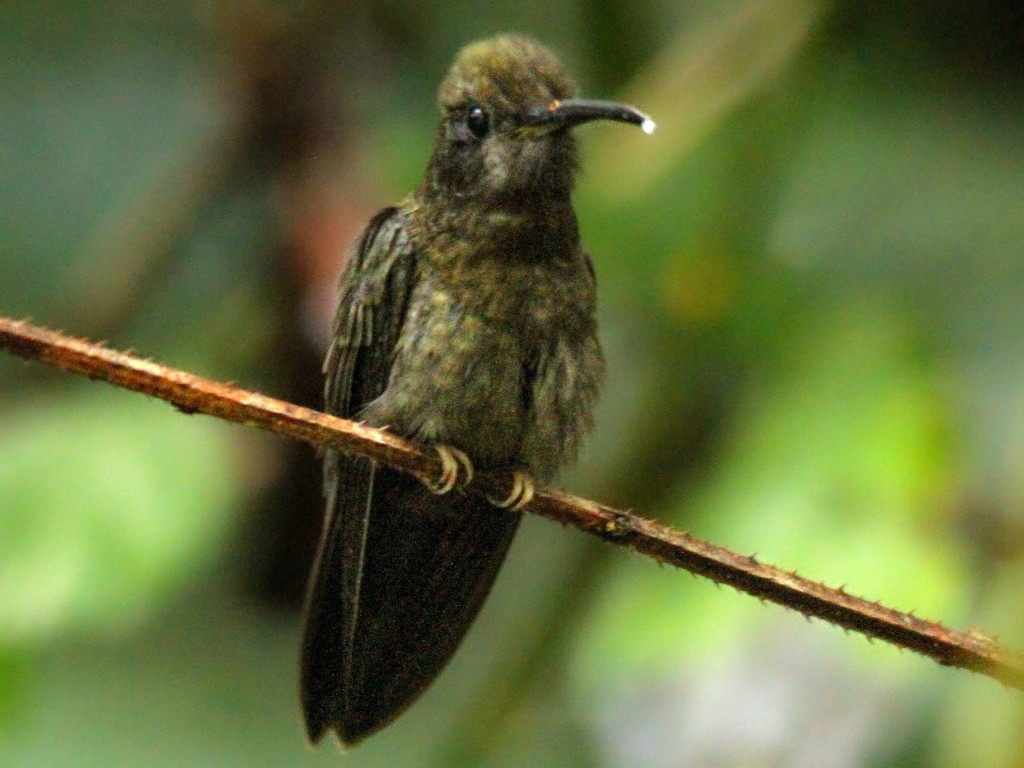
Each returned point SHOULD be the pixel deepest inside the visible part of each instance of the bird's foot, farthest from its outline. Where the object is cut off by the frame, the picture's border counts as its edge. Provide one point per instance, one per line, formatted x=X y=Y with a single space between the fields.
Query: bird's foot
x=521 y=494
x=451 y=460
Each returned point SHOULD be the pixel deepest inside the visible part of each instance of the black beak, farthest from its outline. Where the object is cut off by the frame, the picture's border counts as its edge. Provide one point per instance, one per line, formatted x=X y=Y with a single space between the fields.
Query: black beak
x=571 y=112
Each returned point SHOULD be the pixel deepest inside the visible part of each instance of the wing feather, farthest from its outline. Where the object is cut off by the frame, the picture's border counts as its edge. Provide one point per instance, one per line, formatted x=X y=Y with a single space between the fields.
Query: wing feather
x=374 y=289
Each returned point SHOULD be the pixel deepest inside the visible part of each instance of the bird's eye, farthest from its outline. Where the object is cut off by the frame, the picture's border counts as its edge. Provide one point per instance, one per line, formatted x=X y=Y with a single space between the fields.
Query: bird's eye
x=477 y=121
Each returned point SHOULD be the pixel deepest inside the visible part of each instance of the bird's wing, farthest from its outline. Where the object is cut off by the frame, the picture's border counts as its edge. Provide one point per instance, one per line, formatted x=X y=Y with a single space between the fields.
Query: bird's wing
x=374 y=289
x=401 y=573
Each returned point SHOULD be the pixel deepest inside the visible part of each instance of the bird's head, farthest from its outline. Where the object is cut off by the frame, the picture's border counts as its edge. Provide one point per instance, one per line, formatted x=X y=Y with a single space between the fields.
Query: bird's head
x=507 y=106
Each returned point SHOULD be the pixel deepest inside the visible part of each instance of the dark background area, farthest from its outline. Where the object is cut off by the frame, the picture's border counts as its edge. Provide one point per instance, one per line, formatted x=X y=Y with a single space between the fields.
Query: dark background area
x=811 y=285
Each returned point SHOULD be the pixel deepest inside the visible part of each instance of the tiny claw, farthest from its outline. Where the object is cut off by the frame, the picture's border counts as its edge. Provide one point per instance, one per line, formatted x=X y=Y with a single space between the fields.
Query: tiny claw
x=467 y=465
x=520 y=495
x=451 y=460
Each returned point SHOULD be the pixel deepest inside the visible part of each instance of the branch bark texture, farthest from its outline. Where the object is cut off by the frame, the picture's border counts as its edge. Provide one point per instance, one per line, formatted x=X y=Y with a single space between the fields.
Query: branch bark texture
x=971 y=650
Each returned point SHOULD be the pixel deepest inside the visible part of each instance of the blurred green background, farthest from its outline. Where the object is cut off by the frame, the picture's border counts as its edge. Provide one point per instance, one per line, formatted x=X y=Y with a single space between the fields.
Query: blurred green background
x=812 y=283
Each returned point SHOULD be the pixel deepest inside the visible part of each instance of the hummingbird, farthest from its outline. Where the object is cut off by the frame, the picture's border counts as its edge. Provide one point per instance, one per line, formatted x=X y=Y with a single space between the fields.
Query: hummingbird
x=466 y=320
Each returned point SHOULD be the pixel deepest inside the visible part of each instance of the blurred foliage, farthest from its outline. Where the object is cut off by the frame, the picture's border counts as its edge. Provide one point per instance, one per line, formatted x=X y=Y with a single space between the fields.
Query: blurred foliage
x=812 y=281
x=85 y=495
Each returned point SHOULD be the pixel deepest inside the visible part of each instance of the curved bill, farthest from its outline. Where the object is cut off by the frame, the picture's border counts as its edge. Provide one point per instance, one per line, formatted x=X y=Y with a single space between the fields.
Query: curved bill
x=570 y=112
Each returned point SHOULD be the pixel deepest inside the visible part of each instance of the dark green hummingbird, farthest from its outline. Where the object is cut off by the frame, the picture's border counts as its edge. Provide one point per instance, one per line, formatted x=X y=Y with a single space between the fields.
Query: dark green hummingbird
x=466 y=321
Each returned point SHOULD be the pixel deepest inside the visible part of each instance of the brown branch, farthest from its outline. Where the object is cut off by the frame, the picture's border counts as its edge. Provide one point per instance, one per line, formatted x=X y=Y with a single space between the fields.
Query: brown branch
x=191 y=394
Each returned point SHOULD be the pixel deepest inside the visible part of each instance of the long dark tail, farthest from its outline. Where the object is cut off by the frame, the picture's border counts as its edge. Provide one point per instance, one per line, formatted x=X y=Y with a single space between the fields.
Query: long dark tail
x=400 y=576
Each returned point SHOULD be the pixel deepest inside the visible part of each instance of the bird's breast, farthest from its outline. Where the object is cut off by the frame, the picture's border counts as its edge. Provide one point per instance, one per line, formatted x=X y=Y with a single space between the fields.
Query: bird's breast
x=470 y=341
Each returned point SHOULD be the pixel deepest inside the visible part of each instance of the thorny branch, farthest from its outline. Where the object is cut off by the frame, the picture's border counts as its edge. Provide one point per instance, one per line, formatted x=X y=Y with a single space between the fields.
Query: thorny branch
x=192 y=394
